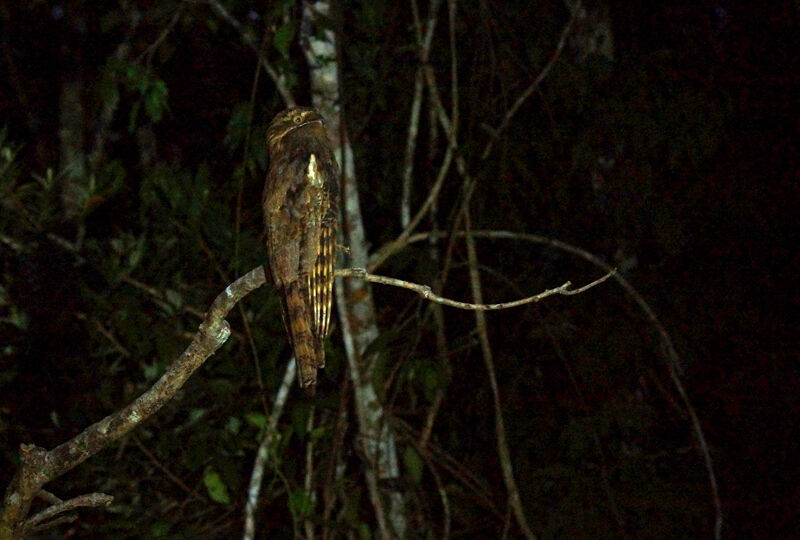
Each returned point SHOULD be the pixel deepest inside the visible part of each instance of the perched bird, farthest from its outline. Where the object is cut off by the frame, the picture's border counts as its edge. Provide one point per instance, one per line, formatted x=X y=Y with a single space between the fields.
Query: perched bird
x=300 y=205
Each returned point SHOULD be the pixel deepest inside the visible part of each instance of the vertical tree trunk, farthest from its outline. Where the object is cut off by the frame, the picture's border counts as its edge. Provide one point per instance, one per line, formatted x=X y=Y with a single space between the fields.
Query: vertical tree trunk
x=71 y=120
x=354 y=297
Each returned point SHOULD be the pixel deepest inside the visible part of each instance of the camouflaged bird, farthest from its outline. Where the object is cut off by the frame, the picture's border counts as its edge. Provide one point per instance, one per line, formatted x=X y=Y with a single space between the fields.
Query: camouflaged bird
x=300 y=216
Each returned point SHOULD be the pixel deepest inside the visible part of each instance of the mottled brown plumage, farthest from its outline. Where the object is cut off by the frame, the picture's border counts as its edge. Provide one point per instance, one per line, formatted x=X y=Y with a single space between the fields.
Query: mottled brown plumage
x=300 y=215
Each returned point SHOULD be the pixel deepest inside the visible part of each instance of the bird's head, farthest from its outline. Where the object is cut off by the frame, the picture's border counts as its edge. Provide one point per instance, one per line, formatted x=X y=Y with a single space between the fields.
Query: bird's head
x=290 y=120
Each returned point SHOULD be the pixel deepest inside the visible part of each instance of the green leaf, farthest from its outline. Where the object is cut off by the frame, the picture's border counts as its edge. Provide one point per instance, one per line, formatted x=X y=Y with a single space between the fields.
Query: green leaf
x=200 y=189
x=151 y=371
x=108 y=90
x=283 y=38
x=155 y=99
x=256 y=419
x=216 y=488
x=212 y=24
x=364 y=532
x=133 y=116
x=195 y=415
x=174 y=297
x=136 y=253
x=299 y=504
x=159 y=529
x=413 y=463
x=300 y=418
x=431 y=382
x=233 y=425
x=317 y=433
x=16 y=317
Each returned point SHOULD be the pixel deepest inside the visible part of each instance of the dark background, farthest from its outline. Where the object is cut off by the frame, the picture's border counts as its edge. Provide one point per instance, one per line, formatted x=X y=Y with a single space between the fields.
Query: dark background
x=132 y=165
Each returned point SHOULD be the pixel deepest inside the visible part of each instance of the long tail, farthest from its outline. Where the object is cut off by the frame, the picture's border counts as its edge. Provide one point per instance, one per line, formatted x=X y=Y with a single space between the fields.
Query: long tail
x=320 y=286
x=297 y=318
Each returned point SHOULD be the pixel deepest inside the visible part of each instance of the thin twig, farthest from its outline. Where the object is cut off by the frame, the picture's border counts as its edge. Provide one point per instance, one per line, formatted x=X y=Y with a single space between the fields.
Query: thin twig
x=153 y=47
x=537 y=239
x=278 y=79
x=674 y=363
x=39 y=466
x=430 y=201
x=451 y=19
x=433 y=411
x=308 y=525
x=388 y=249
x=354 y=300
x=49 y=497
x=443 y=496
x=459 y=471
x=438 y=286
x=426 y=456
x=336 y=464
x=66 y=518
x=109 y=336
x=253 y=349
x=503 y=452
x=245 y=156
x=411 y=145
x=533 y=86
x=442 y=353
x=413 y=124
x=155 y=461
x=424 y=41
x=42 y=520
x=448 y=126
x=612 y=502
x=262 y=454
x=427 y=293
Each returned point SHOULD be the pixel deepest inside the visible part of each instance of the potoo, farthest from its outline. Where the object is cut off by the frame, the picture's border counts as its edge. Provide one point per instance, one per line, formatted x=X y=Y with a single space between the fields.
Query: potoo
x=300 y=216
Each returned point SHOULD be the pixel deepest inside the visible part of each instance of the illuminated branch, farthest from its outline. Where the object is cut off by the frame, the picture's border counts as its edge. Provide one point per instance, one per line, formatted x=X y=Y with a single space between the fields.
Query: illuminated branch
x=39 y=466
x=427 y=293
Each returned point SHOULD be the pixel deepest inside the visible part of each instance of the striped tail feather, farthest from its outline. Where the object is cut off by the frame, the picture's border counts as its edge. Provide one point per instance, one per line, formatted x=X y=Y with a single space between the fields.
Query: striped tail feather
x=301 y=335
x=320 y=288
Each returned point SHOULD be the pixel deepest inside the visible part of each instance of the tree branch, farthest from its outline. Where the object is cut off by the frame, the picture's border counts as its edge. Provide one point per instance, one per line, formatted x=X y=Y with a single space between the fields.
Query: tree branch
x=503 y=451
x=39 y=466
x=674 y=363
x=262 y=455
x=277 y=78
x=45 y=518
x=354 y=300
x=427 y=293
x=416 y=105
x=533 y=86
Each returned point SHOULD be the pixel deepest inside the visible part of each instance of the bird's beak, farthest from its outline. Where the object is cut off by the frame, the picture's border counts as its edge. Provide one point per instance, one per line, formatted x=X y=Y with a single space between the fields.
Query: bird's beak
x=306 y=123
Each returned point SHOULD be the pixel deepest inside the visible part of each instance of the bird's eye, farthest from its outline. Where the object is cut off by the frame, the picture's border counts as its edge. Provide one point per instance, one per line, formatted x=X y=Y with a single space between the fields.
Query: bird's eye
x=297 y=119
